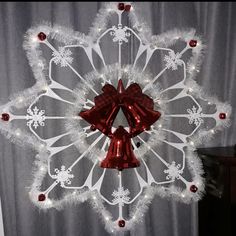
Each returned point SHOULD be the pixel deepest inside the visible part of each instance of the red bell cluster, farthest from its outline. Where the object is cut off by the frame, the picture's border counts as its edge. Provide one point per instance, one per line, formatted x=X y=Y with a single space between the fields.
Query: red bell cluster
x=138 y=109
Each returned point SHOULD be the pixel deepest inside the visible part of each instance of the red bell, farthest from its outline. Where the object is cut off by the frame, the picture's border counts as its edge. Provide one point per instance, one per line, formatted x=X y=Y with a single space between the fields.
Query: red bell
x=120 y=153
x=101 y=119
x=139 y=118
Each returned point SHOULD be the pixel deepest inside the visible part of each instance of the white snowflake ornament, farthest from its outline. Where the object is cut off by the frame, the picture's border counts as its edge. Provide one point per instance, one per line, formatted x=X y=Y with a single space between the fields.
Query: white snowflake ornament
x=36 y=117
x=169 y=84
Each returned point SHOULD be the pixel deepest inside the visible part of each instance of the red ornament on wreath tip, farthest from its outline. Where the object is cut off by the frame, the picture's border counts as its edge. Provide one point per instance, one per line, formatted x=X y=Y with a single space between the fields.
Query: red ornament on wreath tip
x=121 y=6
x=193 y=188
x=5 y=117
x=42 y=36
x=222 y=116
x=121 y=223
x=41 y=197
x=193 y=43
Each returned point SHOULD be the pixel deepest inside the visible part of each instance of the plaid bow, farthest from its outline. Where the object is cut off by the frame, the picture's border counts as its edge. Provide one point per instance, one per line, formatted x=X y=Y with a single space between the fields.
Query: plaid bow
x=133 y=92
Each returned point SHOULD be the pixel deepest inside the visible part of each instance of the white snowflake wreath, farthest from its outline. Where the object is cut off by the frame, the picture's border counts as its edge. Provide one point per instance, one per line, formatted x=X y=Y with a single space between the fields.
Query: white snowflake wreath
x=176 y=57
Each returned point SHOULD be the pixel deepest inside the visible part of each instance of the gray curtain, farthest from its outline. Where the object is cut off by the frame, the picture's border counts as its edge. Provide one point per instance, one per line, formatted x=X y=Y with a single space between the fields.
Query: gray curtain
x=215 y=21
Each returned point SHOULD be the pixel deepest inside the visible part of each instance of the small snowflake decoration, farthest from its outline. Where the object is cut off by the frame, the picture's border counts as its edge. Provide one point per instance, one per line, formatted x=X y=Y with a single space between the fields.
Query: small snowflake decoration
x=120 y=34
x=121 y=196
x=195 y=116
x=35 y=117
x=63 y=176
x=173 y=60
x=173 y=171
x=62 y=57
x=74 y=133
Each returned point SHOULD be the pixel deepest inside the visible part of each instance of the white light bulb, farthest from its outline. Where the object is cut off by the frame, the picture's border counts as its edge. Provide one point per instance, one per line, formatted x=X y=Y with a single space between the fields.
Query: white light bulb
x=34 y=39
x=190 y=89
x=45 y=88
x=212 y=131
x=42 y=168
x=182 y=195
x=107 y=218
x=160 y=125
x=20 y=99
x=49 y=202
x=192 y=143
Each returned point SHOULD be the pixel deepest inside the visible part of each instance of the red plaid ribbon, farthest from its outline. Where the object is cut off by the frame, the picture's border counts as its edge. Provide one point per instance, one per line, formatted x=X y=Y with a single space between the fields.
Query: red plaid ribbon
x=133 y=92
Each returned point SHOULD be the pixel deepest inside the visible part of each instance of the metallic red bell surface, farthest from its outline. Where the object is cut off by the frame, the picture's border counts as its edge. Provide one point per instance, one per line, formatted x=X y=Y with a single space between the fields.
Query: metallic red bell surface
x=139 y=118
x=120 y=153
x=101 y=119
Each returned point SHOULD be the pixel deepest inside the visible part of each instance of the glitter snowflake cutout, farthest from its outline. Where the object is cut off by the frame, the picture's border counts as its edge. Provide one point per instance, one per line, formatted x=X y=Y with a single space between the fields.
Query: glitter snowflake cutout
x=195 y=116
x=120 y=196
x=173 y=171
x=35 y=117
x=173 y=60
x=70 y=150
x=63 y=176
x=62 y=56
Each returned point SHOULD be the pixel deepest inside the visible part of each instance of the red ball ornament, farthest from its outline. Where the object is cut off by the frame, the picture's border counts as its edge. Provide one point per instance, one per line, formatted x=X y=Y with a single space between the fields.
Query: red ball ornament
x=222 y=116
x=42 y=36
x=121 y=6
x=127 y=7
x=121 y=223
x=41 y=197
x=5 y=117
x=193 y=188
x=193 y=43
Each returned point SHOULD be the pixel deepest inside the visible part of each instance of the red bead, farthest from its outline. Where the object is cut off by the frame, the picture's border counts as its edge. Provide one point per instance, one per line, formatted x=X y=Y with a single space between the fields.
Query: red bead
x=121 y=6
x=42 y=36
x=121 y=223
x=93 y=127
x=127 y=7
x=5 y=116
x=222 y=116
x=41 y=197
x=193 y=188
x=193 y=43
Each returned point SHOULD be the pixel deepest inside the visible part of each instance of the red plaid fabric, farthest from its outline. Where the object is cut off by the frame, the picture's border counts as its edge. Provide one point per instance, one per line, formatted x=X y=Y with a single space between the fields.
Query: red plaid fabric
x=110 y=95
